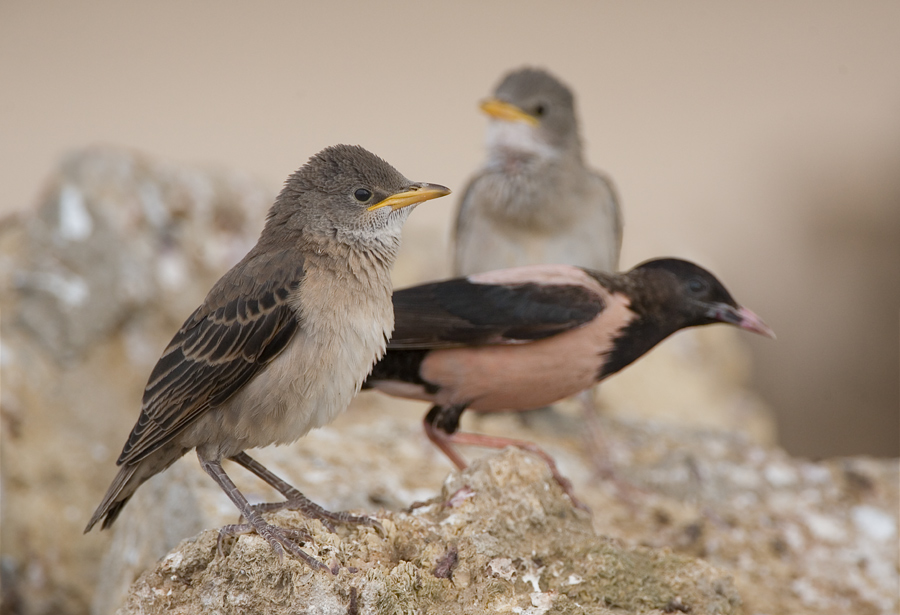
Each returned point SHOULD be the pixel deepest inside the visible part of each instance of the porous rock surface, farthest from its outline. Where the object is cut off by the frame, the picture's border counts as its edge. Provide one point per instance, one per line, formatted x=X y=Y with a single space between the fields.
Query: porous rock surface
x=501 y=537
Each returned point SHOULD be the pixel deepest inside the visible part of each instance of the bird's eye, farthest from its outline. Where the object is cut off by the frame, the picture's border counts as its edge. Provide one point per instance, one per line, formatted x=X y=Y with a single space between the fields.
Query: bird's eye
x=696 y=285
x=540 y=110
x=362 y=195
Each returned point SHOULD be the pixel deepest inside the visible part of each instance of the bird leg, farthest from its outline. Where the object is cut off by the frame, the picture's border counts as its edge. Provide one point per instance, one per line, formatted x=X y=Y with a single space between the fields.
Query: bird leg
x=298 y=501
x=595 y=440
x=442 y=422
x=597 y=449
x=279 y=538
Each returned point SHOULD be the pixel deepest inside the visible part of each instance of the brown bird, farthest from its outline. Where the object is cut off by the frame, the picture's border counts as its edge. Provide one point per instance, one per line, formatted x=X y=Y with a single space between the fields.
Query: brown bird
x=534 y=200
x=525 y=337
x=283 y=340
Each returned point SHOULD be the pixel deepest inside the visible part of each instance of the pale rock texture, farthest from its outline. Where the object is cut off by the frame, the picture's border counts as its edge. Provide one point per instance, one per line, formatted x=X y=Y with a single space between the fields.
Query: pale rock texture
x=499 y=538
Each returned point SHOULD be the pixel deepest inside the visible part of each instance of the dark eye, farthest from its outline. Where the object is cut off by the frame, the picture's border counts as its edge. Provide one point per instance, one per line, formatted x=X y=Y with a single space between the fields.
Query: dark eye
x=362 y=195
x=696 y=285
x=540 y=110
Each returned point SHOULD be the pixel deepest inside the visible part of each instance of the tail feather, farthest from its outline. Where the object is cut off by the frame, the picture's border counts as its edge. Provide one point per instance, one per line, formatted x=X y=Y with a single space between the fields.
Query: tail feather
x=129 y=478
x=118 y=494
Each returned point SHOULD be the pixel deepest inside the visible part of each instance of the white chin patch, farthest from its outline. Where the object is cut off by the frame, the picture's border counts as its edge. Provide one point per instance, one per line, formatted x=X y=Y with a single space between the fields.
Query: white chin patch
x=516 y=136
x=394 y=219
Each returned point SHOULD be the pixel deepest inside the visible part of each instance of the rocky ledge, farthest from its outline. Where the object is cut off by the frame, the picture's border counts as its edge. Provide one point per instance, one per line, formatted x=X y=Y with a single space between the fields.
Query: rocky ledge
x=501 y=537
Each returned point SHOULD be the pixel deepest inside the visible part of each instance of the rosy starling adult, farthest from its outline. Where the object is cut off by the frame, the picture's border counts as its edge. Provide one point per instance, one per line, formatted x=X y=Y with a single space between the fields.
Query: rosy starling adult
x=524 y=337
x=534 y=200
x=284 y=340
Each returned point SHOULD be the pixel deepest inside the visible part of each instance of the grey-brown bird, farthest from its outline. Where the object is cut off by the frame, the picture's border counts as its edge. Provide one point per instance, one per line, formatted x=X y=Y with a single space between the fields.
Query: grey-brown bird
x=520 y=338
x=535 y=200
x=284 y=340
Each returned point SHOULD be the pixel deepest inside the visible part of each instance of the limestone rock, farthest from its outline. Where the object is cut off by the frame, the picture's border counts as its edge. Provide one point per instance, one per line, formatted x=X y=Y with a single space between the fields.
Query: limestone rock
x=788 y=530
x=500 y=538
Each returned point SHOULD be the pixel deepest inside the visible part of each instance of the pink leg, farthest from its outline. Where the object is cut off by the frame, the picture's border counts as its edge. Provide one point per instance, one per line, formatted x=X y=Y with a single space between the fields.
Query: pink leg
x=444 y=441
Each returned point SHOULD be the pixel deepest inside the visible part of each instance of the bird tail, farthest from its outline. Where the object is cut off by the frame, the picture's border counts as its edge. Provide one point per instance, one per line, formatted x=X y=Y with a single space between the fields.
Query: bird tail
x=130 y=477
x=120 y=491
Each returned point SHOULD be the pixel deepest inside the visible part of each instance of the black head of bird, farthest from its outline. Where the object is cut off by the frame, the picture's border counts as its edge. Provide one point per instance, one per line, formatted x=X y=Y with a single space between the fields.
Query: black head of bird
x=688 y=295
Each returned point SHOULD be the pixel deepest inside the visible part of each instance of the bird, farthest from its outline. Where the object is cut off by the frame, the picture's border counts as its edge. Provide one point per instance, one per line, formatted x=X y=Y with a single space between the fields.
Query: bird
x=282 y=341
x=524 y=337
x=534 y=200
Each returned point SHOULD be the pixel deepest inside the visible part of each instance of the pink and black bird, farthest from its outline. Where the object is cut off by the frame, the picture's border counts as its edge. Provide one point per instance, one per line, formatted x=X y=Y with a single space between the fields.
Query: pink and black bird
x=522 y=338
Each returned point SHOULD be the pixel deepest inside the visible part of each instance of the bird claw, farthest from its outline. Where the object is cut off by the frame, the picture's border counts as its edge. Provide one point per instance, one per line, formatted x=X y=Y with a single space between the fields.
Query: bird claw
x=313 y=511
x=279 y=538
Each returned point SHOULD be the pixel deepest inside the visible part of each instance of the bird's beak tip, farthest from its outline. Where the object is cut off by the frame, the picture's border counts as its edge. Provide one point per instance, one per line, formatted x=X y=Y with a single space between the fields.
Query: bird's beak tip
x=740 y=317
x=751 y=322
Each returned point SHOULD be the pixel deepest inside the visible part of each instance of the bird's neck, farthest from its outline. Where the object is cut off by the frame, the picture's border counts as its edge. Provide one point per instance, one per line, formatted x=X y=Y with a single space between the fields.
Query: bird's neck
x=365 y=260
x=652 y=324
x=635 y=340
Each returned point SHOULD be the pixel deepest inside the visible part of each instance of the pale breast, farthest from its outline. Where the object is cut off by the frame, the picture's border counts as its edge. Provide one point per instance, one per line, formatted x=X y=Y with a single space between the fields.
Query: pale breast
x=341 y=335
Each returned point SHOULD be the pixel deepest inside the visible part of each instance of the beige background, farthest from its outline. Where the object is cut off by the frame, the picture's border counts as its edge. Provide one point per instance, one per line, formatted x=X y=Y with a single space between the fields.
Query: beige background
x=761 y=139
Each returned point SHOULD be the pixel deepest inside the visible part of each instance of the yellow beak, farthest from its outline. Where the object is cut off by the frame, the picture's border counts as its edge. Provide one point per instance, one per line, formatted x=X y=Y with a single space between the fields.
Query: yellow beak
x=417 y=194
x=506 y=111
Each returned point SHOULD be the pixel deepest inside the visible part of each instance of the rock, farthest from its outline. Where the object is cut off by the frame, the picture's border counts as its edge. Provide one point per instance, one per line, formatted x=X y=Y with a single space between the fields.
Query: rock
x=787 y=530
x=501 y=537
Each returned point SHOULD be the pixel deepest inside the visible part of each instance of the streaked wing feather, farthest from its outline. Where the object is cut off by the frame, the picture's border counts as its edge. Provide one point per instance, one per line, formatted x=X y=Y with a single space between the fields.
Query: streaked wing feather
x=218 y=349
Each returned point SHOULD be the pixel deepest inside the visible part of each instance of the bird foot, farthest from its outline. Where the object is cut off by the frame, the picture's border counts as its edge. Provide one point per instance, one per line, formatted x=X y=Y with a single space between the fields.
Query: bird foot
x=280 y=539
x=312 y=510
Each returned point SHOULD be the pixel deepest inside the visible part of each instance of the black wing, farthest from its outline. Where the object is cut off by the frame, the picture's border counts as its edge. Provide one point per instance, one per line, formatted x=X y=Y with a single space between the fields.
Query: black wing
x=459 y=312
x=244 y=323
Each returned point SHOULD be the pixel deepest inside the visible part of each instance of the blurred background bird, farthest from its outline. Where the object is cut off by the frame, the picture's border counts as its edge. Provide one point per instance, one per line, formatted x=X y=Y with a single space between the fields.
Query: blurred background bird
x=535 y=200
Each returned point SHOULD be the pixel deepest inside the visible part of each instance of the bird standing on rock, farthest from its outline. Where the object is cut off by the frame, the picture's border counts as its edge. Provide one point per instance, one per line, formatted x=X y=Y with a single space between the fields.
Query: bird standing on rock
x=534 y=200
x=283 y=341
x=525 y=337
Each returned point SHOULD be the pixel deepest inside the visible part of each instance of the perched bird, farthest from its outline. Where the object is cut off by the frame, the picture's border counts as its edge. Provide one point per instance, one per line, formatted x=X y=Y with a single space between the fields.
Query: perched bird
x=283 y=341
x=521 y=338
x=534 y=200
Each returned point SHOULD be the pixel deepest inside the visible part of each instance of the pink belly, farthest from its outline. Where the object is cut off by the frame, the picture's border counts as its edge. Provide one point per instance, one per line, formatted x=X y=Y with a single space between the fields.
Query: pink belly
x=530 y=375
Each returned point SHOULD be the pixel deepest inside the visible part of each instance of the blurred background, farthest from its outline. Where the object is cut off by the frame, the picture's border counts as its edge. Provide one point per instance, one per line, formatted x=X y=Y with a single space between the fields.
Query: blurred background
x=759 y=139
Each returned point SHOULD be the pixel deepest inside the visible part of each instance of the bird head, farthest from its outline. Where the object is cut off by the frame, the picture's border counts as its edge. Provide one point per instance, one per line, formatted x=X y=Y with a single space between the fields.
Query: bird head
x=348 y=193
x=689 y=295
x=533 y=111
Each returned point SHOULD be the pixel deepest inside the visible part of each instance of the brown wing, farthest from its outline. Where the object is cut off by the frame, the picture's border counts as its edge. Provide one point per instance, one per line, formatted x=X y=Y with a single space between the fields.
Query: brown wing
x=243 y=323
